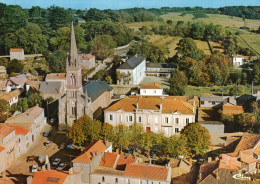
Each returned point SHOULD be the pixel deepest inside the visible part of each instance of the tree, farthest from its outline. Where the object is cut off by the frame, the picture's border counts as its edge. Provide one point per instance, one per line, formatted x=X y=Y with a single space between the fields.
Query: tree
x=107 y=132
x=136 y=131
x=84 y=130
x=4 y=106
x=169 y=22
x=197 y=139
x=14 y=66
x=108 y=79
x=34 y=99
x=178 y=83
x=121 y=139
x=237 y=91
x=147 y=142
x=197 y=30
x=57 y=61
x=102 y=46
x=245 y=120
x=176 y=146
x=188 y=48
x=61 y=39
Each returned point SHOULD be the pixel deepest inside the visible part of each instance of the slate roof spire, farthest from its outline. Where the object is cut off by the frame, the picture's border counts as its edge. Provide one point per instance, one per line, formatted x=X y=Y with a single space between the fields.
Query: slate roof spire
x=73 y=53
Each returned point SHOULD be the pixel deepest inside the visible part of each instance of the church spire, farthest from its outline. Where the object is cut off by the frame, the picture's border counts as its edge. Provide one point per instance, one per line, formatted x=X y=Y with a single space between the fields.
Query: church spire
x=73 y=53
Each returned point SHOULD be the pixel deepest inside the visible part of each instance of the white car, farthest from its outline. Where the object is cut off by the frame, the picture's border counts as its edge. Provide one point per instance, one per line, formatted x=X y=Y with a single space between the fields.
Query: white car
x=34 y=168
x=61 y=166
x=56 y=161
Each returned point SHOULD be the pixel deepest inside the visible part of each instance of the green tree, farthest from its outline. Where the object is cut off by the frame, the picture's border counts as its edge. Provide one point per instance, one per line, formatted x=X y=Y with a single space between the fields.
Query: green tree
x=136 y=131
x=84 y=130
x=4 y=106
x=188 y=48
x=34 y=99
x=197 y=139
x=176 y=146
x=24 y=104
x=197 y=30
x=107 y=132
x=102 y=46
x=57 y=61
x=237 y=91
x=14 y=66
x=178 y=83
x=147 y=142
x=121 y=139
x=245 y=120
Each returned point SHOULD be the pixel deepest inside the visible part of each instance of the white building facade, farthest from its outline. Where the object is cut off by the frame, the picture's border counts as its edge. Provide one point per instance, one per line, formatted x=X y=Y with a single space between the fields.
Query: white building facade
x=133 y=70
x=168 y=115
x=238 y=61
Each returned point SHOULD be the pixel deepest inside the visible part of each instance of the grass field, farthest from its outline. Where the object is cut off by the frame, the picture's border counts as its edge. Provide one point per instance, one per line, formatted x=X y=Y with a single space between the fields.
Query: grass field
x=170 y=41
x=203 y=45
x=216 y=46
x=224 y=20
x=136 y=25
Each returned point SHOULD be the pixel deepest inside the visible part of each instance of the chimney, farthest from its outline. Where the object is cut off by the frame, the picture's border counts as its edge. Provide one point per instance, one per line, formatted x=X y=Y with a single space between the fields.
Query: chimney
x=48 y=166
x=200 y=176
x=217 y=176
x=161 y=106
x=193 y=108
x=107 y=143
x=190 y=161
x=209 y=159
x=29 y=179
x=117 y=151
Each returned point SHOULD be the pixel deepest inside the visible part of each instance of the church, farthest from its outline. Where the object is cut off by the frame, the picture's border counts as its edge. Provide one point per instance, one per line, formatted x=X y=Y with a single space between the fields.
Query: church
x=78 y=100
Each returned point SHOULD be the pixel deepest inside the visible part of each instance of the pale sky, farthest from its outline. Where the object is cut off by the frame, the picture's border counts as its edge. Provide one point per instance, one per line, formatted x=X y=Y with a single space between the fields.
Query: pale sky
x=120 y=4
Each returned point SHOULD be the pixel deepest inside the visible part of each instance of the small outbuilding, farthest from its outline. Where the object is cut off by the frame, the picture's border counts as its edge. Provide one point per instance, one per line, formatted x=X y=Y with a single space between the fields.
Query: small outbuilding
x=214 y=127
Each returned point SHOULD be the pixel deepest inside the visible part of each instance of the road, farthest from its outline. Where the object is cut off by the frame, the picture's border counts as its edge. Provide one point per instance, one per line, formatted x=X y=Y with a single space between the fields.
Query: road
x=102 y=65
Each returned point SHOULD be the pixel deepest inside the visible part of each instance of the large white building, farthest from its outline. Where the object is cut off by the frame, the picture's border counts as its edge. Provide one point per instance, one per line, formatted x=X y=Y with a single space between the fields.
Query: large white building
x=238 y=60
x=133 y=70
x=157 y=114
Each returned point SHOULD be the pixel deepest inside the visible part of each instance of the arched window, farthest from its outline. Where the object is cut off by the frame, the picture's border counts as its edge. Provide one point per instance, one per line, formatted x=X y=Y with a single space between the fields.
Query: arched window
x=73 y=79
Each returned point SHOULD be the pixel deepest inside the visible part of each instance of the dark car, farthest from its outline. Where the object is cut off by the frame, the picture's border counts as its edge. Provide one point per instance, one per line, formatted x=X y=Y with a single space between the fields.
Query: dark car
x=47 y=133
x=31 y=158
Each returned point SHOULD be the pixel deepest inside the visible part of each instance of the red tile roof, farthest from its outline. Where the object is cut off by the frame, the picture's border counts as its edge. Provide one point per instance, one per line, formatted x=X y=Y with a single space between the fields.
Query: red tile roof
x=153 y=85
x=108 y=159
x=17 y=80
x=11 y=94
x=6 y=181
x=56 y=76
x=168 y=105
x=123 y=161
x=5 y=130
x=232 y=109
x=88 y=153
x=146 y=171
x=16 y=50
x=20 y=130
x=2 y=148
x=48 y=177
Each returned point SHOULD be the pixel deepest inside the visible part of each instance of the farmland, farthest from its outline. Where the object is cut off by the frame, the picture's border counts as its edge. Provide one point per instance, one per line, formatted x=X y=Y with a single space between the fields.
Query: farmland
x=224 y=20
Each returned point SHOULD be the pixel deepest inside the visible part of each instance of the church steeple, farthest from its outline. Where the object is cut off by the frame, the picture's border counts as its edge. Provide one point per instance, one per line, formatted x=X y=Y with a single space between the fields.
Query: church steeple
x=73 y=60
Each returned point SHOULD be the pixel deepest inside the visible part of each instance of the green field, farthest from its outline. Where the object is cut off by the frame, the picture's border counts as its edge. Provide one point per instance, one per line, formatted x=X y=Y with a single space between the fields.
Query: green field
x=224 y=20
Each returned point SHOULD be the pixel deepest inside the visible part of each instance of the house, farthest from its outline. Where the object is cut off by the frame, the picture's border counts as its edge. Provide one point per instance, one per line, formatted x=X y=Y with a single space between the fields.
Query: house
x=159 y=69
x=22 y=140
x=220 y=171
x=232 y=109
x=90 y=158
x=32 y=86
x=51 y=89
x=33 y=120
x=152 y=89
x=213 y=101
x=247 y=151
x=133 y=70
x=2 y=71
x=239 y=60
x=12 y=97
x=15 y=82
x=16 y=54
x=8 y=141
x=88 y=61
x=80 y=21
x=54 y=176
x=155 y=114
x=214 y=127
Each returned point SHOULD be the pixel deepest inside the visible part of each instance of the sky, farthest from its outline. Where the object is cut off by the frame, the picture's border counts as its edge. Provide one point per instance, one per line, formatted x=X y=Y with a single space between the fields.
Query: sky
x=120 y=4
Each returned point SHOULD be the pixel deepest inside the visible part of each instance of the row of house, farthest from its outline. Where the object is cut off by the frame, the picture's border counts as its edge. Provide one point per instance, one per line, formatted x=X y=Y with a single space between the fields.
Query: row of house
x=98 y=164
x=237 y=165
x=18 y=133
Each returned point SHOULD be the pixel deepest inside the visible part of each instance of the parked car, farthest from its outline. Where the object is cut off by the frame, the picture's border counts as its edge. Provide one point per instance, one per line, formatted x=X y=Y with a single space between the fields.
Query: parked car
x=41 y=158
x=52 y=120
x=47 y=133
x=48 y=143
x=56 y=161
x=69 y=146
x=61 y=166
x=62 y=146
x=31 y=158
x=34 y=168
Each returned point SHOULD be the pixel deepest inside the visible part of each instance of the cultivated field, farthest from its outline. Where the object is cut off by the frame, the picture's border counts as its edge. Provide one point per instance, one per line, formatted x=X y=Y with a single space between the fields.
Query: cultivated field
x=216 y=46
x=224 y=20
x=203 y=45
x=136 y=25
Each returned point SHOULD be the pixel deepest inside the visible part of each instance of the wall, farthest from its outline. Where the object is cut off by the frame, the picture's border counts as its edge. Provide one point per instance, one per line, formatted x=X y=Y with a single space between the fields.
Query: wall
x=152 y=92
x=214 y=128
